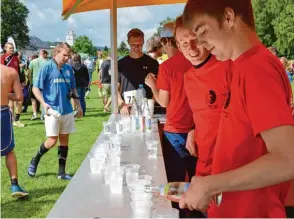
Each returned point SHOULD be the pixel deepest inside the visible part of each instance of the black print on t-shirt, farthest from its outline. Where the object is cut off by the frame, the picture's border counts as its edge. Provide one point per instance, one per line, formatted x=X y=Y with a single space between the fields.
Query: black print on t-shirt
x=211 y=99
x=227 y=103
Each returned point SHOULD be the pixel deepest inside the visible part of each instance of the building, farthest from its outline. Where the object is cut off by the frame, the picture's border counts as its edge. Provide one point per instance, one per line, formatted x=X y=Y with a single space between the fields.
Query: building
x=70 y=37
x=34 y=47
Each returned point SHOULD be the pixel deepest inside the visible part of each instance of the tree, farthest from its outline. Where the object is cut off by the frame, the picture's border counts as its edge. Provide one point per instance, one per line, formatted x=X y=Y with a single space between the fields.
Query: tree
x=106 y=49
x=83 y=44
x=123 y=49
x=274 y=24
x=165 y=21
x=14 y=22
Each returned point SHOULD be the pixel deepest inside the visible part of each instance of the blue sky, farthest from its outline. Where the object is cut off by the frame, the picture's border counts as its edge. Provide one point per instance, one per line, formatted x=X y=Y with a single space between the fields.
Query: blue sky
x=45 y=21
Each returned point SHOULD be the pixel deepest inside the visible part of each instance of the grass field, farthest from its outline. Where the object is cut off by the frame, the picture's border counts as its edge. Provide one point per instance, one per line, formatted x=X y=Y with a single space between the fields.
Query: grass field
x=45 y=188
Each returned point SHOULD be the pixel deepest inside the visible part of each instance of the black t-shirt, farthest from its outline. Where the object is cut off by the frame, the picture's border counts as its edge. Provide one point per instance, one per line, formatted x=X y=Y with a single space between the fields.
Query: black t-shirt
x=105 y=68
x=132 y=72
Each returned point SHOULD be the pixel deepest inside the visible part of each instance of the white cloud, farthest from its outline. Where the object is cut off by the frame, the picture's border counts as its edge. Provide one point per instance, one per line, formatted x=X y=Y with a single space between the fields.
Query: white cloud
x=72 y=22
x=127 y=16
x=45 y=21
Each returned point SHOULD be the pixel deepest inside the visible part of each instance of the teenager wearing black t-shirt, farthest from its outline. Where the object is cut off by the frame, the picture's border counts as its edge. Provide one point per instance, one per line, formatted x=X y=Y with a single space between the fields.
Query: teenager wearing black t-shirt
x=133 y=69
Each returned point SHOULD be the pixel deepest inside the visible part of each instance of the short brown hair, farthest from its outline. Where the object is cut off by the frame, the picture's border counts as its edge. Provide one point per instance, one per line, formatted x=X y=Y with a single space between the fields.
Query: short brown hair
x=60 y=46
x=153 y=44
x=216 y=9
x=172 y=40
x=178 y=23
x=135 y=32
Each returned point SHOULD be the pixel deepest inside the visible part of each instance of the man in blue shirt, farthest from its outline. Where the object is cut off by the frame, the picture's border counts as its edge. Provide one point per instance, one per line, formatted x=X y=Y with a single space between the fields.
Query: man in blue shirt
x=54 y=88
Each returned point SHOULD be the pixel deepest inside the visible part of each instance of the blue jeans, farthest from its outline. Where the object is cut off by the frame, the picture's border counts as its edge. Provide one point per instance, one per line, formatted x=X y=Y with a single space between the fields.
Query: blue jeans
x=81 y=91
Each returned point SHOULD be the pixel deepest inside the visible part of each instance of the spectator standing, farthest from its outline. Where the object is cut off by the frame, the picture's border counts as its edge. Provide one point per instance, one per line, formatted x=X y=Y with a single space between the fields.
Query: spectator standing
x=82 y=79
x=34 y=70
x=106 y=83
x=10 y=59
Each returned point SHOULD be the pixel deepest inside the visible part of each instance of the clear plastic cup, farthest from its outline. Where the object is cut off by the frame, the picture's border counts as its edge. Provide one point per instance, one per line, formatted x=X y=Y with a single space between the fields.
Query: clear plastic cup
x=139 y=185
x=119 y=127
x=107 y=172
x=152 y=148
x=141 y=209
x=145 y=177
x=96 y=164
x=107 y=128
x=165 y=212
x=116 y=179
x=127 y=122
x=140 y=196
x=132 y=172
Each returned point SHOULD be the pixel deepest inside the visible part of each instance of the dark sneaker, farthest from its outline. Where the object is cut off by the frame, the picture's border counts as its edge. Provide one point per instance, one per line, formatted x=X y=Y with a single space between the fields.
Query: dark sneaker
x=32 y=168
x=18 y=192
x=64 y=177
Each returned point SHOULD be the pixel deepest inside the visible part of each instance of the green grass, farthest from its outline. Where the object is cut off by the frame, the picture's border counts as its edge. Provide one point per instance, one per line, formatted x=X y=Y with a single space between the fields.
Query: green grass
x=45 y=188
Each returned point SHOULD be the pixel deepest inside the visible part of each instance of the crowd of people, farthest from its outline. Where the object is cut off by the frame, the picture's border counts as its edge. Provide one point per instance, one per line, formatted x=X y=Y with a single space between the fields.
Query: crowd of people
x=227 y=98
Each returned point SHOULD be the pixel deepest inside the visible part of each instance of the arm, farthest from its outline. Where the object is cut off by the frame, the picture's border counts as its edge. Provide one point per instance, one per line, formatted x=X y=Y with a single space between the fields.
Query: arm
x=161 y=96
x=191 y=143
x=17 y=95
x=124 y=108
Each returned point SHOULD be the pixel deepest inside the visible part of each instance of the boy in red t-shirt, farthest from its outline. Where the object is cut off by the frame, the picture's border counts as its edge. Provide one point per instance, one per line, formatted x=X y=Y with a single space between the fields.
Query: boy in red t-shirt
x=253 y=157
x=169 y=92
x=207 y=86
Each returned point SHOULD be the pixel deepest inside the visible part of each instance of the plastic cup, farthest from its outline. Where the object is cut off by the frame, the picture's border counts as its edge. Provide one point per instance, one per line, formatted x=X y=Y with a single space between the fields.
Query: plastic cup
x=107 y=128
x=141 y=209
x=152 y=148
x=119 y=127
x=132 y=172
x=165 y=212
x=145 y=177
x=96 y=164
x=139 y=185
x=141 y=196
x=116 y=179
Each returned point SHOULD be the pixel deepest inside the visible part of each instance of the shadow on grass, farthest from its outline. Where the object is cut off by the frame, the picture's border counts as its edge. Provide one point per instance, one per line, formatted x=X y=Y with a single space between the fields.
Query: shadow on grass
x=29 y=206
x=98 y=114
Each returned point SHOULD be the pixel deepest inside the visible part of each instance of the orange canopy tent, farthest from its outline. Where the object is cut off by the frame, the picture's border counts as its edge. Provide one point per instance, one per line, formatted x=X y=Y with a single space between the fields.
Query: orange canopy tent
x=77 y=6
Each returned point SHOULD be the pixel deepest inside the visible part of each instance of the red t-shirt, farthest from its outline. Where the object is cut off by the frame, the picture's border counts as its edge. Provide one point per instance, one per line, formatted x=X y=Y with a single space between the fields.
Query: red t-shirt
x=259 y=100
x=179 y=117
x=207 y=88
x=14 y=63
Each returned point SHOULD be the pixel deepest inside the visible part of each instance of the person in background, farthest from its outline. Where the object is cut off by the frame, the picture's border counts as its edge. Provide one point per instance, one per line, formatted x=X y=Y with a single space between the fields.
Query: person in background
x=34 y=68
x=154 y=47
x=169 y=92
x=132 y=71
x=10 y=59
x=285 y=63
x=54 y=88
x=82 y=79
x=10 y=80
x=273 y=50
x=106 y=83
x=90 y=66
x=253 y=160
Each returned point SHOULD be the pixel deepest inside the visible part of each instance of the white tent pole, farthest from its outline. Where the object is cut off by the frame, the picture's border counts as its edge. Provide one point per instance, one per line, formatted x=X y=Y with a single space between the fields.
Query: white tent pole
x=114 y=66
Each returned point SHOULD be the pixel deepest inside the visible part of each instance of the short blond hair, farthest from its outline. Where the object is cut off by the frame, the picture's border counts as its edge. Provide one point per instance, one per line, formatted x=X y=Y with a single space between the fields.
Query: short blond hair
x=60 y=46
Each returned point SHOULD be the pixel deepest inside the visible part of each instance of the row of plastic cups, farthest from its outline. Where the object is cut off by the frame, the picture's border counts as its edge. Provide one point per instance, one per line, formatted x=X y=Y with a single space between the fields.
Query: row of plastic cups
x=121 y=126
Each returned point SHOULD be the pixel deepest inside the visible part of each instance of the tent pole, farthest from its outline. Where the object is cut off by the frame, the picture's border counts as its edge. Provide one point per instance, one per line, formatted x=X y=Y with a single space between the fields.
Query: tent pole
x=114 y=65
